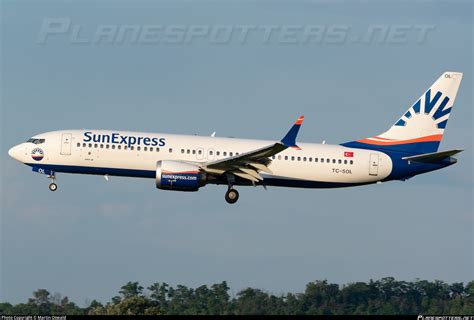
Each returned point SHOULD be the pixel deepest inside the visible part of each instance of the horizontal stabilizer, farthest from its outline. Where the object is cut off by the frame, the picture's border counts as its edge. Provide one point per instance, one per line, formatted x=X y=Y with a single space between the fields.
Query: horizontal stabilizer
x=433 y=157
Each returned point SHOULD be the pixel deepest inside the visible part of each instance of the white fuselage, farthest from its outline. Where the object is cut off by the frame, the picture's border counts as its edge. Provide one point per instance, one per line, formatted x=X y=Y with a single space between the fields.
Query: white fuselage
x=105 y=152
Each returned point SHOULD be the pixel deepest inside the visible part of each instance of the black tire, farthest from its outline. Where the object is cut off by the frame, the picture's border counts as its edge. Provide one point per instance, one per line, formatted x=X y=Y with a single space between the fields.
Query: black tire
x=53 y=187
x=231 y=196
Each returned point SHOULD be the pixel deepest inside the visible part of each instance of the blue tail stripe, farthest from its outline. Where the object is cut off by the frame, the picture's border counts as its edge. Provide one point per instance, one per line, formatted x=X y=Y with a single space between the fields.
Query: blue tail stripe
x=407 y=148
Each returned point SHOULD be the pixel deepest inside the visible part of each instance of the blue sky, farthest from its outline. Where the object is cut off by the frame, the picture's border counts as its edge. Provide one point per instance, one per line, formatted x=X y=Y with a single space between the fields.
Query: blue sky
x=92 y=236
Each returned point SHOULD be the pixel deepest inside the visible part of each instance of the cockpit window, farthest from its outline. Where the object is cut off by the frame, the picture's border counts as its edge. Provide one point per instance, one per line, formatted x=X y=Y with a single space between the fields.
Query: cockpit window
x=36 y=141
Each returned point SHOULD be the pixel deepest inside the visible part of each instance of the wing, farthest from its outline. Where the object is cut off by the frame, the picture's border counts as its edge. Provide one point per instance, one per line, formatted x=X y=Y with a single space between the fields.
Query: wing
x=248 y=165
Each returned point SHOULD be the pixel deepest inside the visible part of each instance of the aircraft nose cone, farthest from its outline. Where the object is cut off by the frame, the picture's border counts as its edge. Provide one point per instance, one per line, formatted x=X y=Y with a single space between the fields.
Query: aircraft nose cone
x=15 y=153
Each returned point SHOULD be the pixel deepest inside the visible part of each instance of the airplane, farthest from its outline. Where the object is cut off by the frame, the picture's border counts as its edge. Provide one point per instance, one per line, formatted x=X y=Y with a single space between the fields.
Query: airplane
x=187 y=162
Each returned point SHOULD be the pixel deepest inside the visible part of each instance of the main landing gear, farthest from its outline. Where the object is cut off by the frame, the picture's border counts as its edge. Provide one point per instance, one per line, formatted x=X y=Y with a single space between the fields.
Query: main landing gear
x=53 y=186
x=231 y=196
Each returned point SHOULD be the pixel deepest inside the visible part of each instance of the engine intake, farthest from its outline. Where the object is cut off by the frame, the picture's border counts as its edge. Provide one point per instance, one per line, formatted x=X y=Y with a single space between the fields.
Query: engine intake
x=179 y=176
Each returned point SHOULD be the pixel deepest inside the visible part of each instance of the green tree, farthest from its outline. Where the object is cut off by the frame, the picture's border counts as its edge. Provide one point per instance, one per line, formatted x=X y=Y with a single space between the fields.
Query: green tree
x=131 y=289
x=384 y=296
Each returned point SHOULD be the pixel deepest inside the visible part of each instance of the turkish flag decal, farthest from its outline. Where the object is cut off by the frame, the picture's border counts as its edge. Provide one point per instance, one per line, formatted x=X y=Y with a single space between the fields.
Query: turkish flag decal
x=349 y=154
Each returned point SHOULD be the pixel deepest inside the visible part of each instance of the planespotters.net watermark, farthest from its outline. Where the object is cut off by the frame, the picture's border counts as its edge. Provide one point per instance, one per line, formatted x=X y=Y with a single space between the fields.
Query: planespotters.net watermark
x=64 y=29
x=449 y=317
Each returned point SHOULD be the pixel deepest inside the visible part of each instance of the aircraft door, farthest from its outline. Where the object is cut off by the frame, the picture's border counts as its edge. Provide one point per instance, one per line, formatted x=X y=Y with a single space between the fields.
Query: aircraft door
x=374 y=164
x=66 y=142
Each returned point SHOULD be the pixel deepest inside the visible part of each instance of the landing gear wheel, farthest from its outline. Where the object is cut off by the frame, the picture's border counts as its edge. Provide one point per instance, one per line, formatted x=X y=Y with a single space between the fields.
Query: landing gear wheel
x=53 y=186
x=231 y=196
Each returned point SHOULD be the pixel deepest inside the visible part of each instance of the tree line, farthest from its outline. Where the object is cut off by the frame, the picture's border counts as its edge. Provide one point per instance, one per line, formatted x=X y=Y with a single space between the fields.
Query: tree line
x=384 y=296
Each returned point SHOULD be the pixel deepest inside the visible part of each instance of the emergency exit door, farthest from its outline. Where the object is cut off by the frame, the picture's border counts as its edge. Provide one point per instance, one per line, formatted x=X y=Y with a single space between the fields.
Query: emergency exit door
x=374 y=164
x=66 y=144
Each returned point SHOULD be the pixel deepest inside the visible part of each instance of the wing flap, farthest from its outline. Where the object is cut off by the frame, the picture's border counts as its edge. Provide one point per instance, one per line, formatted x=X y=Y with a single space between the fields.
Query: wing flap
x=251 y=172
x=245 y=176
x=260 y=167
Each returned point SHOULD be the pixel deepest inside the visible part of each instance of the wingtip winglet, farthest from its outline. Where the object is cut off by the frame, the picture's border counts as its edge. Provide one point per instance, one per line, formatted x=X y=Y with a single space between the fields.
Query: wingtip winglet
x=290 y=138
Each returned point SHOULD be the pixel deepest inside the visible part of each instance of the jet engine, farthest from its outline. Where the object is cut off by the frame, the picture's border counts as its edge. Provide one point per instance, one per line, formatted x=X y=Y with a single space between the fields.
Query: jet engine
x=179 y=176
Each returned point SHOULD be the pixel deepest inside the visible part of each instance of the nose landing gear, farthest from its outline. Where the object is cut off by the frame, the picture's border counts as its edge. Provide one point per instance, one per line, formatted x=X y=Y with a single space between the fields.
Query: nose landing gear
x=53 y=186
x=231 y=196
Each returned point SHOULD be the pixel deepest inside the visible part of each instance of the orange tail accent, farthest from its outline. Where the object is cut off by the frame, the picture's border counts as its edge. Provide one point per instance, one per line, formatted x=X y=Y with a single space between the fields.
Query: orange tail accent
x=436 y=137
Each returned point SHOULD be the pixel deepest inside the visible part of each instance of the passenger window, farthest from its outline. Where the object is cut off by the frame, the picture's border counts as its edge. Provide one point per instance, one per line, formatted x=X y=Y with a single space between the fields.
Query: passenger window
x=210 y=152
x=345 y=161
x=333 y=160
x=199 y=151
x=119 y=147
x=182 y=150
x=304 y=158
x=273 y=157
x=231 y=154
x=292 y=158
x=188 y=151
x=145 y=148
x=84 y=145
x=339 y=161
x=279 y=157
x=286 y=157
x=78 y=144
x=151 y=148
x=113 y=146
x=299 y=158
x=157 y=149
x=217 y=153
x=316 y=159
x=194 y=151
x=125 y=147
x=351 y=162
x=170 y=150
x=107 y=146
x=310 y=159
x=132 y=148
x=225 y=154
x=95 y=145
x=328 y=160
x=102 y=146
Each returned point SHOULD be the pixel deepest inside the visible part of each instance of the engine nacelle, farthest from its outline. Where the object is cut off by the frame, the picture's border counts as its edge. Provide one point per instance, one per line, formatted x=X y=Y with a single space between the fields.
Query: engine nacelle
x=179 y=176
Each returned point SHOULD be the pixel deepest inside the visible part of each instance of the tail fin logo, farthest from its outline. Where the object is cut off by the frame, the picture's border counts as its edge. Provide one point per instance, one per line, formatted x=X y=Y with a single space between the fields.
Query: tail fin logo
x=428 y=107
x=421 y=128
